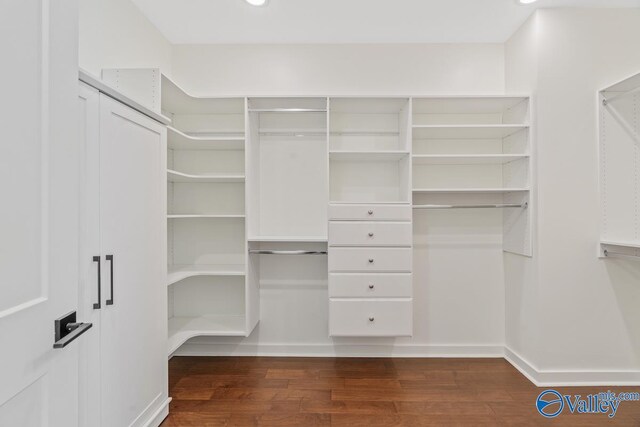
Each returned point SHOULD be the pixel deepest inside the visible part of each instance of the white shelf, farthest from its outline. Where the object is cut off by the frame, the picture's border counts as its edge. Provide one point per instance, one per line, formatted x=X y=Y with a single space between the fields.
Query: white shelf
x=289 y=239
x=367 y=203
x=469 y=190
x=466 y=104
x=175 y=176
x=177 y=101
x=183 y=328
x=364 y=132
x=466 y=131
x=621 y=243
x=189 y=216
x=293 y=132
x=466 y=159
x=178 y=140
x=367 y=156
x=176 y=273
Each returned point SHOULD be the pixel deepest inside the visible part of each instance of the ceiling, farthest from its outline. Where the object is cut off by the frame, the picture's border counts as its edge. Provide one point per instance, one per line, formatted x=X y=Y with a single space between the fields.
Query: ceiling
x=347 y=21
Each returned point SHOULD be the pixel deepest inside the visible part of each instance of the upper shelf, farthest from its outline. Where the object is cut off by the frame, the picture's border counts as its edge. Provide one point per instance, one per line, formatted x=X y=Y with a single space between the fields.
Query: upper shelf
x=466 y=105
x=621 y=243
x=469 y=190
x=466 y=131
x=466 y=159
x=625 y=85
x=178 y=140
x=177 y=101
x=175 y=176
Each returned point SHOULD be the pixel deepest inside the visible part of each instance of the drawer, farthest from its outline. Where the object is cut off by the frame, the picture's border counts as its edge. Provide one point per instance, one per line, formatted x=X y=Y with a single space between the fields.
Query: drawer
x=370 y=259
x=370 y=318
x=370 y=212
x=380 y=285
x=361 y=233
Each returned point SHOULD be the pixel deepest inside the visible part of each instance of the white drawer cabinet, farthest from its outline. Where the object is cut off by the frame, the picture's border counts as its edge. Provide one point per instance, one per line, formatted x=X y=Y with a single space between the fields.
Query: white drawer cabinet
x=370 y=212
x=376 y=285
x=369 y=233
x=370 y=259
x=363 y=318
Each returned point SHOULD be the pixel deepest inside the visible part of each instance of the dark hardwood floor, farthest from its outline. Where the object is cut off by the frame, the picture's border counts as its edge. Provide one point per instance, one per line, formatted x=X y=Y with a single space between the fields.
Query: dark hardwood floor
x=259 y=391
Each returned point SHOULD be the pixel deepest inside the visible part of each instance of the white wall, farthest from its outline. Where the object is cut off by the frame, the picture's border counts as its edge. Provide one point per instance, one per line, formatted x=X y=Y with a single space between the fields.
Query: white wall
x=115 y=34
x=586 y=319
x=457 y=310
x=344 y=68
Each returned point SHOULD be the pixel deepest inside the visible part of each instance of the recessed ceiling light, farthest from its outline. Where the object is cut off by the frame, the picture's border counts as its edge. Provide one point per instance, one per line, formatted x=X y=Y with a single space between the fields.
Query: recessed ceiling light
x=527 y=1
x=256 y=2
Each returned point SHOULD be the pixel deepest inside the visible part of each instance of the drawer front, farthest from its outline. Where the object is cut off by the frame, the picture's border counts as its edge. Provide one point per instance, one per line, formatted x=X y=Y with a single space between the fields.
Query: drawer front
x=370 y=285
x=370 y=318
x=361 y=233
x=370 y=212
x=370 y=259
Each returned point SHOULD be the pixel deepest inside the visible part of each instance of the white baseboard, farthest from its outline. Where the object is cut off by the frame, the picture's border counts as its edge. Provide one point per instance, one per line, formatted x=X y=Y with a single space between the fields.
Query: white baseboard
x=338 y=350
x=541 y=378
x=570 y=378
x=158 y=417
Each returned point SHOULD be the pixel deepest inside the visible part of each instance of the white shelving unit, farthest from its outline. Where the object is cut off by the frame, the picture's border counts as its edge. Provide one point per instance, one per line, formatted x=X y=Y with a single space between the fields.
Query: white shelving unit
x=369 y=154
x=475 y=151
x=619 y=158
x=208 y=290
x=290 y=191
x=287 y=190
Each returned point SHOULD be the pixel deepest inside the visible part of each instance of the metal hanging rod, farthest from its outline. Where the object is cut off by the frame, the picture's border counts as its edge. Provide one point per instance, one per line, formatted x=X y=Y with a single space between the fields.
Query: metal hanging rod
x=608 y=253
x=287 y=110
x=606 y=101
x=270 y=252
x=503 y=205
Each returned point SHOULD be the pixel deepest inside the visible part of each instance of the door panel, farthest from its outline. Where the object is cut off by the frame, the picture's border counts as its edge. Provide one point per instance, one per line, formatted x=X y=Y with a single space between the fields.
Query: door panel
x=38 y=222
x=133 y=231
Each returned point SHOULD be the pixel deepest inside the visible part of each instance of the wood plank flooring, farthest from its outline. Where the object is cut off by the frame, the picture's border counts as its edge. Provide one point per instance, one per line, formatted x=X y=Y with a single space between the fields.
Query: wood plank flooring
x=258 y=391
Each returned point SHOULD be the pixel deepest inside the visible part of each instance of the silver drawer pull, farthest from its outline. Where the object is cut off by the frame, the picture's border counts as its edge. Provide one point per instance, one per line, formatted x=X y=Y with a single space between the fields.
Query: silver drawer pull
x=370 y=212
x=370 y=234
x=371 y=286
x=371 y=319
x=370 y=260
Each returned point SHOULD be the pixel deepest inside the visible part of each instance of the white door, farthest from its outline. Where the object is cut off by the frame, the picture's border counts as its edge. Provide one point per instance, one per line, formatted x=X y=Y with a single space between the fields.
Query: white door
x=133 y=323
x=38 y=218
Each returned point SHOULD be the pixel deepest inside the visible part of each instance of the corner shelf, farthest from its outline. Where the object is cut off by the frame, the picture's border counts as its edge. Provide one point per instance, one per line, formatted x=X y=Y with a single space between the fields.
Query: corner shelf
x=175 y=176
x=177 y=273
x=467 y=131
x=182 y=329
x=367 y=156
x=178 y=140
x=466 y=159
